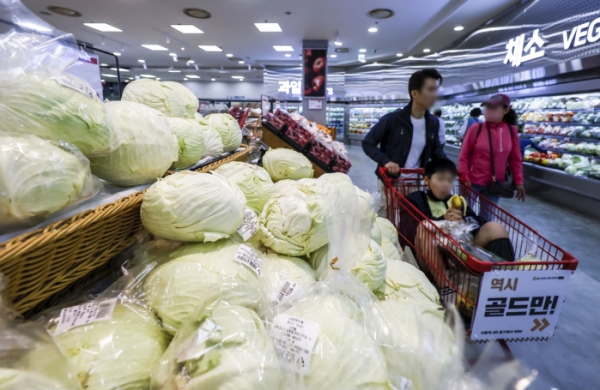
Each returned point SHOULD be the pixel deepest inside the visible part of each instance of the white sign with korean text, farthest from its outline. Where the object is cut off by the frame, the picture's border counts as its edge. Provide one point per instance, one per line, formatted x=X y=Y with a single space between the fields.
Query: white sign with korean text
x=315 y=104
x=290 y=87
x=519 y=304
x=516 y=48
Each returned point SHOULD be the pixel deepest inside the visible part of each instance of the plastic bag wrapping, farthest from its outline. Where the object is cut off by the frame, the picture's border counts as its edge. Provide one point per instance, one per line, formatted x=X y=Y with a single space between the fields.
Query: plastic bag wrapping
x=427 y=348
x=252 y=180
x=40 y=177
x=148 y=149
x=340 y=339
x=287 y=278
x=199 y=274
x=113 y=341
x=294 y=221
x=29 y=358
x=404 y=282
x=221 y=346
x=490 y=373
x=389 y=238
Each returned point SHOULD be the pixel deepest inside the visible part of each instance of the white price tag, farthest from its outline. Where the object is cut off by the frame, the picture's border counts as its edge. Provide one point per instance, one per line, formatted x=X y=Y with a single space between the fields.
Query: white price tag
x=248 y=257
x=77 y=85
x=285 y=290
x=195 y=347
x=87 y=313
x=249 y=225
x=294 y=339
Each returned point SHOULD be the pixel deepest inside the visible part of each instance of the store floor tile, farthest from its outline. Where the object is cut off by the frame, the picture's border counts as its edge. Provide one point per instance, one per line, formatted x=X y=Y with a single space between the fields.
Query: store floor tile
x=571 y=358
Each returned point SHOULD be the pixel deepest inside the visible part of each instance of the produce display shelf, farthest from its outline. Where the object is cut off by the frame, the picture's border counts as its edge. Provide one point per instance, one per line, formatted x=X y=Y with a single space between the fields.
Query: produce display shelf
x=562 y=151
x=45 y=261
x=591 y=109
x=530 y=135
x=561 y=124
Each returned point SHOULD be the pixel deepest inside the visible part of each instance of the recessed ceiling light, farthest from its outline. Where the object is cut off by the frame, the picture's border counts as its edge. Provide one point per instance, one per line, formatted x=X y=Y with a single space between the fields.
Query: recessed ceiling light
x=185 y=79
x=103 y=64
x=237 y=77
x=173 y=54
x=141 y=61
x=109 y=75
x=174 y=71
x=363 y=61
x=380 y=13
x=197 y=13
x=399 y=55
x=193 y=76
x=190 y=61
x=411 y=58
x=148 y=75
x=241 y=62
x=288 y=55
x=155 y=47
x=210 y=48
x=120 y=69
x=131 y=78
x=229 y=55
x=63 y=11
x=459 y=28
x=268 y=27
x=104 y=27
x=283 y=48
x=373 y=30
x=212 y=79
x=187 y=29
x=426 y=50
x=158 y=78
x=333 y=56
x=362 y=51
x=338 y=43
x=117 y=53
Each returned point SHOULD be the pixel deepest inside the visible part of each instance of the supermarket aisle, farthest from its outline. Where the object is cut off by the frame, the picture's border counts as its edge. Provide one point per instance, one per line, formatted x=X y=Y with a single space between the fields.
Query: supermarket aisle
x=567 y=360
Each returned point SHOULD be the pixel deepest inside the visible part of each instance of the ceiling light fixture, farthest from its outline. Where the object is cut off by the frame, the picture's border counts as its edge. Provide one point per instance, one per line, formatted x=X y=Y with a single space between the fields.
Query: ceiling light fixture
x=229 y=55
x=363 y=61
x=185 y=79
x=158 y=78
x=141 y=61
x=102 y=81
x=148 y=75
x=182 y=48
x=155 y=47
x=237 y=77
x=193 y=76
x=380 y=13
x=373 y=30
x=120 y=69
x=104 y=27
x=426 y=50
x=333 y=56
x=174 y=71
x=167 y=39
x=268 y=27
x=241 y=62
x=117 y=53
x=362 y=51
x=63 y=11
x=145 y=67
x=109 y=75
x=337 y=41
x=210 y=48
x=196 y=66
x=173 y=54
x=103 y=64
x=459 y=28
x=283 y=48
x=399 y=55
x=197 y=13
x=175 y=59
x=190 y=62
x=187 y=29
x=288 y=55
x=212 y=79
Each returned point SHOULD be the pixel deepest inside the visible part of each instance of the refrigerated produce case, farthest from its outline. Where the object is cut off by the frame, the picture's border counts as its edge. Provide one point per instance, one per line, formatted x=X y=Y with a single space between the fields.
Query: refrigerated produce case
x=363 y=117
x=336 y=119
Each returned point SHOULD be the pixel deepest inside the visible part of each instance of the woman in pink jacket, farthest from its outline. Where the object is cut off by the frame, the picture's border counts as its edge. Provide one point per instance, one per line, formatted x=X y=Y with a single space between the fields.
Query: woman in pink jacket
x=475 y=164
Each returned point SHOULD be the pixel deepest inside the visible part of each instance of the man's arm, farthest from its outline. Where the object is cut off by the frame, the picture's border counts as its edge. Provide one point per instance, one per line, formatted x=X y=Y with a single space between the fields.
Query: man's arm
x=373 y=139
x=438 y=148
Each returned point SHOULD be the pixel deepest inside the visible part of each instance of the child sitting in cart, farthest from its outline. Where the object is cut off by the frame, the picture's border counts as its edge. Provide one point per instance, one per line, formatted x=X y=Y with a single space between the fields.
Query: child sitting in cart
x=440 y=177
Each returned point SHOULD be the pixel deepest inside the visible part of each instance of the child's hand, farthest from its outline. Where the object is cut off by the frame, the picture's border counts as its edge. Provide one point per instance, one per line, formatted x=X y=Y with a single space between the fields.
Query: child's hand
x=453 y=215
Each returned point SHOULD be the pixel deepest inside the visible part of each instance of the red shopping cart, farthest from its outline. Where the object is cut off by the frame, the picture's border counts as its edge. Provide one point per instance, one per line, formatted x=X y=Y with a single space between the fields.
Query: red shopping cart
x=459 y=275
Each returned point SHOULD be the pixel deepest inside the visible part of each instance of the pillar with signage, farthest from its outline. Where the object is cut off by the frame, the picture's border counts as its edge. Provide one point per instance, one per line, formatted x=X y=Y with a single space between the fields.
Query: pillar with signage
x=314 y=88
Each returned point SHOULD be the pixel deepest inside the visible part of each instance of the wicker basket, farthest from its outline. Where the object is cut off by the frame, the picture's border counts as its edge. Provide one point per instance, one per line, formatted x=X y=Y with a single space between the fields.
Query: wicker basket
x=41 y=263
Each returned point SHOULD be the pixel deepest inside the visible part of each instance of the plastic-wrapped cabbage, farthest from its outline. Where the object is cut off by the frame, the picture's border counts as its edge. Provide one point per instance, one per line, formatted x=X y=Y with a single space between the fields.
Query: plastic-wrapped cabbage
x=425 y=347
x=38 y=178
x=343 y=347
x=405 y=282
x=293 y=222
x=390 y=251
x=191 y=206
x=252 y=180
x=376 y=234
x=191 y=142
x=369 y=269
x=222 y=347
x=287 y=277
x=287 y=164
x=55 y=106
x=148 y=148
x=11 y=379
x=229 y=128
x=199 y=275
x=117 y=353
x=153 y=94
x=212 y=140
x=388 y=230
x=189 y=99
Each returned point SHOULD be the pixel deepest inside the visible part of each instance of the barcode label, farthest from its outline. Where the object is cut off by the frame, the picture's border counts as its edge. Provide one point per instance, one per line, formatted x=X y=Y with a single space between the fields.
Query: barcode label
x=294 y=339
x=249 y=225
x=195 y=345
x=87 y=313
x=284 y=291
x=248 y=257
x=76 y=84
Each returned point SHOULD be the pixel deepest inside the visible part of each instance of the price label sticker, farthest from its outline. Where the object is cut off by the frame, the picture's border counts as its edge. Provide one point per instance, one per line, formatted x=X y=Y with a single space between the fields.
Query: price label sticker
x=84 y=314
x=248 y=257
x=76 y=84
x=285 y=290
x=294 y=339
x=195 y=346
x=249 y=225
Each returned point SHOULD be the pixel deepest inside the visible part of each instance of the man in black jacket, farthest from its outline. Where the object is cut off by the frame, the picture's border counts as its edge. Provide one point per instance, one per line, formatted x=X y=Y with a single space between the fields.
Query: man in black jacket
x=409 y=137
